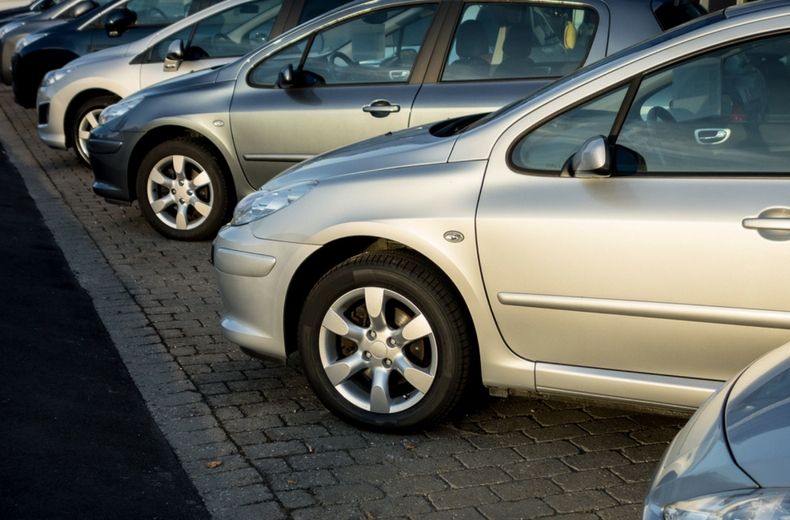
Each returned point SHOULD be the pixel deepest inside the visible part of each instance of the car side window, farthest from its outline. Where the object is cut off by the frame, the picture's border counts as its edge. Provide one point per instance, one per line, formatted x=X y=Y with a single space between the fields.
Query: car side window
x=265 y=73
x=378 y=47
x=159 y=50
x=519 y=40
x=726 y=111
x=313 y=8
x=158 y=12
x=547 y=148
x=234 y=32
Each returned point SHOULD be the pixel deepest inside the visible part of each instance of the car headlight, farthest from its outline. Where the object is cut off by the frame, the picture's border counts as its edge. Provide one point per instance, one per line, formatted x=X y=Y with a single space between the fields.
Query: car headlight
x=759 y=504
x=257 y=205
x=27 y=40
x=119 y=109
x=12 y=26
x=53 y=76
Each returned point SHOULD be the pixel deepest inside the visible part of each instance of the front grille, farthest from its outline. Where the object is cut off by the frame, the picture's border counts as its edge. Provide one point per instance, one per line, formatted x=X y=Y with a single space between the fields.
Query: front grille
x=43 y=114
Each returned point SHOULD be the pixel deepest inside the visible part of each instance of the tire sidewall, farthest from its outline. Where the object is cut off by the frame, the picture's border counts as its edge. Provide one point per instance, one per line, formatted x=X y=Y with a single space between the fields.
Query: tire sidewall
x=448 y=342
x=188 y=148
x=89 y=105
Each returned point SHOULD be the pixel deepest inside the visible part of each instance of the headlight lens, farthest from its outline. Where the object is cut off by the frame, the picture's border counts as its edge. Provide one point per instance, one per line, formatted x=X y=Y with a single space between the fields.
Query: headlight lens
x=760 y=504
x=27 y=40
x=257 y=205
x=12 y=26
x=53 y=76
x=119 y=109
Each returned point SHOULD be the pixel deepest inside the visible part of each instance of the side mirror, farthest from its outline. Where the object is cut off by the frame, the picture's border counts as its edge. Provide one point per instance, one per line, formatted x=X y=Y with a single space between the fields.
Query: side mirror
x=118 y=21
x=591 y=160
x=82 y=8
x=286 y=77
x=175 y=55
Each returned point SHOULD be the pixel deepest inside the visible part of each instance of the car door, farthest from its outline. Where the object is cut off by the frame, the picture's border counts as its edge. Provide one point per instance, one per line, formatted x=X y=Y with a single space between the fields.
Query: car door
x=213 y=40
x=362 y=75
x=496 y=52
x=675 y=265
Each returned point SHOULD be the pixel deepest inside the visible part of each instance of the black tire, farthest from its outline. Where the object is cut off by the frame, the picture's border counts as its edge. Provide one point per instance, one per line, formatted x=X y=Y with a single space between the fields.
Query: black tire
x=198 y=157
x=451 y=340
x=95 y=104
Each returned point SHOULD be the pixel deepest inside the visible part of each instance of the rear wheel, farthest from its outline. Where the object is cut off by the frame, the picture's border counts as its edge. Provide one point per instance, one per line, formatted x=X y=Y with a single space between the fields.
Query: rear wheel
x=385 y=342
x=86 y=118
x=182 y=190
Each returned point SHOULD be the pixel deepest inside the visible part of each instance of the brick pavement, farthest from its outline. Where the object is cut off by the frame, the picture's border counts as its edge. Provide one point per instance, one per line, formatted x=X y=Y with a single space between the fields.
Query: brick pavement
x=255 y=440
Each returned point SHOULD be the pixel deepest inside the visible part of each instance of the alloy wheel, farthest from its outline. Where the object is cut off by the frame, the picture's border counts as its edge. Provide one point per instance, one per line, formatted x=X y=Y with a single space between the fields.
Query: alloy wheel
x=180 y=192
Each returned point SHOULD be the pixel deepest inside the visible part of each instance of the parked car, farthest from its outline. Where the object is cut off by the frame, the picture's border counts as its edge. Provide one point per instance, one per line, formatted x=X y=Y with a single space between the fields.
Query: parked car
x=19 y=28
x=71 y=99
x=731 y=459
x=20 y=9
x=118 y=22
x=361 y=71
x=619 y=235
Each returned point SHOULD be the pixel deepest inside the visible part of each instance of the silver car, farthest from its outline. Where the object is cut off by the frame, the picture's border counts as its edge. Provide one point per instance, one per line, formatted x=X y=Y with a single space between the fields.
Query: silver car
x=70 y=99
x=619 y=235
x=360 y=71
x=731 y=460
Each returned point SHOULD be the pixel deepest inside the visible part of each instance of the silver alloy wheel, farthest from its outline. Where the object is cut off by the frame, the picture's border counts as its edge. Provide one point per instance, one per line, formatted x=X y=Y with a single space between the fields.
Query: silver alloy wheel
x=179 y=192
x=88 y=122
x=378 y=350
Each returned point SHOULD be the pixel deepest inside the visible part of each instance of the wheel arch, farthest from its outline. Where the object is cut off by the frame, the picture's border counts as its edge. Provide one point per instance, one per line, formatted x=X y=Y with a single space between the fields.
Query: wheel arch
x=340 y=250
x=165 y=133
x=75 y=103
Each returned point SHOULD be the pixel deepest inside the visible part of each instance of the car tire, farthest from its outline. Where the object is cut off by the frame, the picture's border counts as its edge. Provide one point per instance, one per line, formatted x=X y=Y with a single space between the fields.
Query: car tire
x=182 y=190
x=85 y=119
x=417 y=347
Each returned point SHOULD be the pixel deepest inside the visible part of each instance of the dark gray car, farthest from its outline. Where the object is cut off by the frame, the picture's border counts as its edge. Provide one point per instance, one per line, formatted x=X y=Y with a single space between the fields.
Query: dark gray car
x=360 y=71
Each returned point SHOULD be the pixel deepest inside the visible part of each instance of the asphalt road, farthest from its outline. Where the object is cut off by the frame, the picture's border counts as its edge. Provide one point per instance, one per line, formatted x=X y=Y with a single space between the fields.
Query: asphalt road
x=77 y=439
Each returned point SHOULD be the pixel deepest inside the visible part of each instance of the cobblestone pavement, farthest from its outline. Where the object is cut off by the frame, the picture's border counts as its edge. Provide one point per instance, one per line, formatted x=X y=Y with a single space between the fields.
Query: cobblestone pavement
x=282 y=454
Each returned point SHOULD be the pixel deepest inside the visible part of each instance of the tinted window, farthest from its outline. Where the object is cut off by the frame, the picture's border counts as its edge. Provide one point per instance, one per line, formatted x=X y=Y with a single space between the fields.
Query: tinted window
x=519 y=40
x=548 y=147
x=725 y=111
x=671 y=13
x=313 y=8
x=265 y=73
x=158 y=12
x=234 y=32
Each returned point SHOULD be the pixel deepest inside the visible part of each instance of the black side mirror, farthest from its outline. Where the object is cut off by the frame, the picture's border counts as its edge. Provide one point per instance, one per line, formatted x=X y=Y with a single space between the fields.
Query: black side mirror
x=286 y=77
x=175 y=55
x=118 y=21
x=82 y=8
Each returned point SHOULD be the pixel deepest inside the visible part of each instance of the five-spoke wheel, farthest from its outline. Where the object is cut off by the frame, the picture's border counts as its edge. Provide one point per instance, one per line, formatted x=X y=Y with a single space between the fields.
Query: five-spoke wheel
x=385 y=343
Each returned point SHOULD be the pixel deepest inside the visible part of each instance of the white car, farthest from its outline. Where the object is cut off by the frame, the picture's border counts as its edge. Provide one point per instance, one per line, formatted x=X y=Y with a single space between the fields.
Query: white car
x=70 y=99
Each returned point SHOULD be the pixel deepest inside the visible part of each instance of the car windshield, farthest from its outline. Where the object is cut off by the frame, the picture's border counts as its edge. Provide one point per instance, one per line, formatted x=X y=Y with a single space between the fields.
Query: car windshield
x=639 y=47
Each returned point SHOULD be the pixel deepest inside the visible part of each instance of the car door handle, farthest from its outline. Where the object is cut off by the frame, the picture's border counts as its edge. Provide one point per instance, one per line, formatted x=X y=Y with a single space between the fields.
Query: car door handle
x=770 y=223
x=380 y=108
x=712 y=135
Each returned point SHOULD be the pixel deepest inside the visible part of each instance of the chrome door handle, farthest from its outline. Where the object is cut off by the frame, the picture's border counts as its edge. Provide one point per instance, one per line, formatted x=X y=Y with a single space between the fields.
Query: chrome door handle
x=712 y=135
x=768 y=223
x=380 y=108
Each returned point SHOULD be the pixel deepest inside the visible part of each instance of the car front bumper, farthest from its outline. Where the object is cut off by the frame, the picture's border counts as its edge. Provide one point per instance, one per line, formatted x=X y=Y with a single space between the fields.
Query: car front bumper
x=51 y=116
x=254 y=276
x=110 y=153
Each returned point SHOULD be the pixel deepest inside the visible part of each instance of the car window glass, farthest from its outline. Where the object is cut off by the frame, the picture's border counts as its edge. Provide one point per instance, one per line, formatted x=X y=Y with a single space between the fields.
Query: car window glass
x=235 y=31
x=519 y=40
x=724 y=111
x=671 y=13
x=313 y=8
x=379 y=47
x=158 y=12
x=159 y=51
x=547 y=148
x=265 y=73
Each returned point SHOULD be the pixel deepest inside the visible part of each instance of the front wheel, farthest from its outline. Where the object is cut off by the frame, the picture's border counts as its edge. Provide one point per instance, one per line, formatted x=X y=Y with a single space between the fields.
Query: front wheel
x=182 y=190
x=385 y=342
x=86 y=118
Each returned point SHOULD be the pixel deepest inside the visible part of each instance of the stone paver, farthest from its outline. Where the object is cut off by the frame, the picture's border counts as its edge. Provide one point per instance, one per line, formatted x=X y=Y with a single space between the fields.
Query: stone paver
x=254 y=438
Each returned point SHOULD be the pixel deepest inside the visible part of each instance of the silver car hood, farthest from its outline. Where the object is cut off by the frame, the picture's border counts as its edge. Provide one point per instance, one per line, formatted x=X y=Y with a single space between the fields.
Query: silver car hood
x=180 y=83
x=411 y=147
x=758 y=419
x=104 y=55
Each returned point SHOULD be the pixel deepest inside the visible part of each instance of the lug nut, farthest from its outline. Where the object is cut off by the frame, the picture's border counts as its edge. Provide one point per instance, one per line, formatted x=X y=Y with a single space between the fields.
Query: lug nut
x=366 y=355
x=180 y=183
x=189 y=192
x=180 y=201
x=371 y=334
x=173 y=191
x=391 y=342
x=387 y=363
